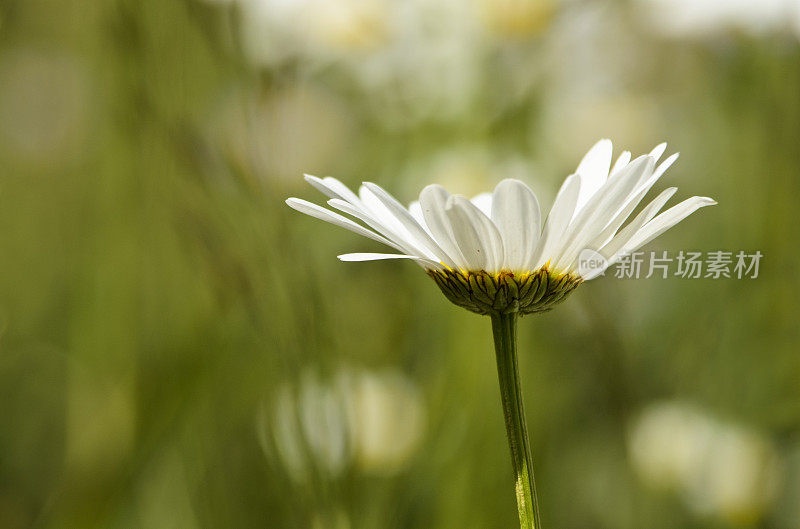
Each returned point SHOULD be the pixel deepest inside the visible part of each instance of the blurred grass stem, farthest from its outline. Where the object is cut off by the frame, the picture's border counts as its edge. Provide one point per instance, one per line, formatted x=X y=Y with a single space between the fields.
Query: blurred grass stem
x=504 y=328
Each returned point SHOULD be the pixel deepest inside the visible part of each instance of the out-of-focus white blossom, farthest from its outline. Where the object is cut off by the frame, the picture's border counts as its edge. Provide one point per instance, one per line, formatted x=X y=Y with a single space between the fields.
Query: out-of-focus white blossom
x=704 y=18
x=722 y=470
x=317 y=30
x=667 y=442
x=387 y=420
x=595 y=92
x=370 y=421
x=412 y=60
x=307 y=428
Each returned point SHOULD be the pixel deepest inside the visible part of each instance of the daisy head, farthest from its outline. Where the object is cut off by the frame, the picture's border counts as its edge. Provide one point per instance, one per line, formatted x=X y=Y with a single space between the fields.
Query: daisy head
x=495 y=253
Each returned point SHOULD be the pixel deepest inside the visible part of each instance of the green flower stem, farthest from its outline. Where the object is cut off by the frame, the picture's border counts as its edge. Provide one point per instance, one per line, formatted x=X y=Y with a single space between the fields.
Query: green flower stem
x=504 y=328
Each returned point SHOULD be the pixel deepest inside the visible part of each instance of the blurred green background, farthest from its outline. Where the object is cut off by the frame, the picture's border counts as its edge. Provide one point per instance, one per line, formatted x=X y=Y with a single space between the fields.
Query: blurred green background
x=179 y=349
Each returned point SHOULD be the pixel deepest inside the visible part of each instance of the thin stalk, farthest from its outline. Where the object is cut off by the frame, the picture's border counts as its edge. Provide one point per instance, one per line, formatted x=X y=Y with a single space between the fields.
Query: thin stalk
x=504 y=328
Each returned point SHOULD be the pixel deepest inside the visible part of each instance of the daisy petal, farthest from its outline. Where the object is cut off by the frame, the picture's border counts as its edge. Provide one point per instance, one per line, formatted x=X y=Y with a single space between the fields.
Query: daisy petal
x=332 y=188
x=313 y=210
x=416 y=211
x=475 y=234
x=611 y=248
x=357 y=257
x=635 y=198
x=492 y=240
x=623 y=160
x=398 y=241
x=593 y=171
x=599 y=211
x=658 y=150
x=320 y=186
x=606 y=235
x=484 y=203
x=666 y=220
x=516 y=213
x=558 y=220
x=373 y=206
x=663 y=166
x=351 y=257
x=433 y=201
x=408 y=221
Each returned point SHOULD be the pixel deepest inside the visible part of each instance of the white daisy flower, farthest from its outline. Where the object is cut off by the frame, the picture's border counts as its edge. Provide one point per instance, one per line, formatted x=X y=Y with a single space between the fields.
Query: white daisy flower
x=494 y=253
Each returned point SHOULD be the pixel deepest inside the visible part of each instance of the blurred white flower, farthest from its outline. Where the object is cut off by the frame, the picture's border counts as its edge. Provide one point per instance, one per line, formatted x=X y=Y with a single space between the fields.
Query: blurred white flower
x=387 y=420
x=739 y=476
x=667 y=442
x=596 y=91
x=372 y=421
x=307 y=428
x=431 y=67
x=722 y=470
x=703 y=18
x=413 y=60
x=321 y=30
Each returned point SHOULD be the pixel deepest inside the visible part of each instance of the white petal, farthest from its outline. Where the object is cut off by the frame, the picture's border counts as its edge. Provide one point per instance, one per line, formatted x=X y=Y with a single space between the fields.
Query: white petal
x=373 y=205
x=352 y=257
x=475 y=234
x=631 y=202
x=608 y=233
x=484 y=203
x=332 y=188
x=355 y=257
x=516 y=213
x=303 y=206
x=663 y=166
x=658 y=150
x=400 y=242
x=593 y=171
x=433 y=200
x=623 y=160
x=666 y=220
x=612 y=248
x=320 y=186
x=651 y=178
x=376 y=209
x=416 y=231
x=416 y=211
x=599 y=211
x=343 y=199
x=558 y=220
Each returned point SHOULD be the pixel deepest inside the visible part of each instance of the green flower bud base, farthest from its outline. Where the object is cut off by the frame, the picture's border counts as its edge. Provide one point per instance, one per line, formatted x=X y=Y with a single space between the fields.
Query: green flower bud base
x=505 y=292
